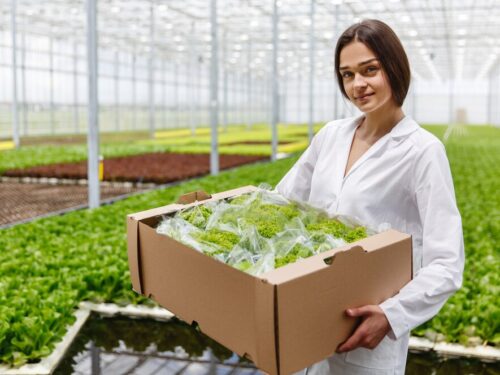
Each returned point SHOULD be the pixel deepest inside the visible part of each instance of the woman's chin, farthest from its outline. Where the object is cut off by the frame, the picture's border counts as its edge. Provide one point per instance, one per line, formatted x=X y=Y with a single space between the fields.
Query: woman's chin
x=365 y=108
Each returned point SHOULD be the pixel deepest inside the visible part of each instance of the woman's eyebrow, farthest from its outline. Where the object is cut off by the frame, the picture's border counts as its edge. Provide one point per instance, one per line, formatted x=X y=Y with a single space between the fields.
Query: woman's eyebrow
x=360 y=64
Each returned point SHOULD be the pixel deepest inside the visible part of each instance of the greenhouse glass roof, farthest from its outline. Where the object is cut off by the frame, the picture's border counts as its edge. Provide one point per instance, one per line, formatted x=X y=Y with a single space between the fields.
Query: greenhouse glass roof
x=445 y=39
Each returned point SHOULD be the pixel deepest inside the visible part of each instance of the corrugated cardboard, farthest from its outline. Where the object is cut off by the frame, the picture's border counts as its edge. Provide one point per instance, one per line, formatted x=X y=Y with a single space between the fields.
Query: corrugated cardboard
x=286 y=319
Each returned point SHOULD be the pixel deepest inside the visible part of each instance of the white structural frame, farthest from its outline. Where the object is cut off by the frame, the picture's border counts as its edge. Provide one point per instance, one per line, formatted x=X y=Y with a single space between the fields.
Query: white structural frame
x=15 y=111
x=214 y=90
x=275 y=84
x=93 y=103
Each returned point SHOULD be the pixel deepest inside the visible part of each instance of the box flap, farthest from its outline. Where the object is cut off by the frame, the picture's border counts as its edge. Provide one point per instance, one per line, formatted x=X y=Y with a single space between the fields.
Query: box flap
x=265 y=327
x=234 y=192
x=171 y=208
x=193 y=197
x=311 y=308
x=133 y=253
x=164 y=210
x=312 y=264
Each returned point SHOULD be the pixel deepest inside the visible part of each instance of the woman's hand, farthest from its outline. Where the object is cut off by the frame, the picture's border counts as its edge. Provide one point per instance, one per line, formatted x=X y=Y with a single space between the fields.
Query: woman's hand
x=373 y=328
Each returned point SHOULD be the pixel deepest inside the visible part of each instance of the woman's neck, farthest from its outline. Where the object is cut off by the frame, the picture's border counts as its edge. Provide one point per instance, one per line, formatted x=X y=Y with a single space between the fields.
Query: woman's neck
x=377 y=124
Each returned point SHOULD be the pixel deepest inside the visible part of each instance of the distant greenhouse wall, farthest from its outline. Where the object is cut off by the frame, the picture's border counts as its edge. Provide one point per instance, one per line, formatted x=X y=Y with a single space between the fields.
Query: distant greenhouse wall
x=52 y=64
x=494 y=98
x=52 y=92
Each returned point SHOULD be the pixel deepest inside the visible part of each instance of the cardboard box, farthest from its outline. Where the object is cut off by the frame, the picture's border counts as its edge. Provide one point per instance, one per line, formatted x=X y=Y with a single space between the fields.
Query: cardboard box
x=286 y=319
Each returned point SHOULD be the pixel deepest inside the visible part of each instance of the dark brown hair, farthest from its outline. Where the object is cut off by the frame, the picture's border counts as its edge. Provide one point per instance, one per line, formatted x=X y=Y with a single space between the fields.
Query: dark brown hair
x=387 y=47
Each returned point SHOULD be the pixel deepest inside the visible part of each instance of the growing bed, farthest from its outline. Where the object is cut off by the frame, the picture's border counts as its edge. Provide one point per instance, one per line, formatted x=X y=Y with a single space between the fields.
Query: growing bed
x=159 y=168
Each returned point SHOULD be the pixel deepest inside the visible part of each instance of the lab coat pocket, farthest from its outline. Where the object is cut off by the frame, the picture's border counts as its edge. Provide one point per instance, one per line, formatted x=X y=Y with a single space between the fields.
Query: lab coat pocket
x=383 y=357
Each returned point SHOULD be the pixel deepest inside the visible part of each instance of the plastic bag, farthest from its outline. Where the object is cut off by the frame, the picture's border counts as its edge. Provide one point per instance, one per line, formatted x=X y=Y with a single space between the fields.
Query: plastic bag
x=180 y=230
x=241 y=258
x=260 y=231
x=291 y=245
x=263 y=265
x=197 y=215
x=225 y=217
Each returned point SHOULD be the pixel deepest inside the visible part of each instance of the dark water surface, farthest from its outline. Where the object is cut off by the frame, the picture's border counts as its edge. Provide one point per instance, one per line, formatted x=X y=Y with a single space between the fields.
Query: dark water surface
x=147 y=347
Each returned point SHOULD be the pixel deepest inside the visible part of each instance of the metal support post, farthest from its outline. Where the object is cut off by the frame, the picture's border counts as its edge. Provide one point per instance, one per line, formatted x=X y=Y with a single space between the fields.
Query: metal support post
x=489 y=100
x=199 y=108
x=15 y=114
x=450 y=101
x=23 y=82
x=214 y=86
x=117 y=90
x=236 y=88
x=76 y=124
x=249 y=84
x=284 y=98
x=299 y=91
x=176 y=93
x=163 y=94
x=311 y=72
x=335 y=85
x=190 y=81
x=243 y=98
x=230 y=96
x=266 y=113
x=95 y=359
x=274 y=82
x=263 y=99
x=134 y=90
x=151 y=67
x=93 y=118
x=224 y=65
x=51 y=84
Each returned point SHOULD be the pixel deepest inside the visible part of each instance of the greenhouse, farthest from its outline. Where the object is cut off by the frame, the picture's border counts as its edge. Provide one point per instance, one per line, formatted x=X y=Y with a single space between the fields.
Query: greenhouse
x=243 y=186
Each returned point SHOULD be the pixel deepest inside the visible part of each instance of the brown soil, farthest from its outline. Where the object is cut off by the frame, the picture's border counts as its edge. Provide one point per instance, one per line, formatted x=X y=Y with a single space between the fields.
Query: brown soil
x=23 y=201
x=154 y=167
x=255 y=143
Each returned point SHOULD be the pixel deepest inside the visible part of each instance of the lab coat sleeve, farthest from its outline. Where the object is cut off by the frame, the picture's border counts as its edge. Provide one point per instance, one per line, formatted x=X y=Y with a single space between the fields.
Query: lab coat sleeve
x=296 y=185
x=442 y=246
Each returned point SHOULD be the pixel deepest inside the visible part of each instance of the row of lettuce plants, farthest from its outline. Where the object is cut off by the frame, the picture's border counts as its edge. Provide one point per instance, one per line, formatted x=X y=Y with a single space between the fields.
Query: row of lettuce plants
x=48 y=266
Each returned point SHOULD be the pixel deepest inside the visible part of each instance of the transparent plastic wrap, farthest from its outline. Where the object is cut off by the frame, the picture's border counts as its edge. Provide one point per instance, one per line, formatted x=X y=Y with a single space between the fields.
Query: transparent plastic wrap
x=264 y=264
x=290 y=245
x=225 y=217
x=260 y=231
x=198 y=215
x=180 y=230
x=252 y=241
x=241 y=258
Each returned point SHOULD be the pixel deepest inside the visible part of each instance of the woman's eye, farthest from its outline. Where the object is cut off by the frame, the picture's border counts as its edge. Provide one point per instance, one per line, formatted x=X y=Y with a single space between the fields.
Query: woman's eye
x=371 y=69
x=346 y=74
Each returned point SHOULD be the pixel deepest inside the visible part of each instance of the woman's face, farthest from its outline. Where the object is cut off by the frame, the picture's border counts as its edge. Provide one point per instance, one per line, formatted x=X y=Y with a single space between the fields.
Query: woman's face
x=364 y=79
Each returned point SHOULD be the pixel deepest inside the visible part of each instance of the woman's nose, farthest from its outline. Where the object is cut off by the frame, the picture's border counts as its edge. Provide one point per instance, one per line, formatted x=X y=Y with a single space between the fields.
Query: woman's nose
x=359 y=81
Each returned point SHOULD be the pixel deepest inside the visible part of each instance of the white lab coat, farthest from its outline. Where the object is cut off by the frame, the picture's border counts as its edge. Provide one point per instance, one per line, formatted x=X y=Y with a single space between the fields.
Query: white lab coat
x=404 y=179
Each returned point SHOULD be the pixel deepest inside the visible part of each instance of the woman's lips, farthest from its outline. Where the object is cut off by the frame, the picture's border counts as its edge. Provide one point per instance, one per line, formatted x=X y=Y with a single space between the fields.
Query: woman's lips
x=364 y=96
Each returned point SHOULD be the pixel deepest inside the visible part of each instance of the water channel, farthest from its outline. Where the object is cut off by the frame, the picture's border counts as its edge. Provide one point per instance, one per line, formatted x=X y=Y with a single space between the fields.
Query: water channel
x=146 y=347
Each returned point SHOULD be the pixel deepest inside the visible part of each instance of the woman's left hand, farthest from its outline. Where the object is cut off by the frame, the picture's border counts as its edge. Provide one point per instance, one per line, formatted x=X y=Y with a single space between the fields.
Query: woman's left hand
x=373 y=328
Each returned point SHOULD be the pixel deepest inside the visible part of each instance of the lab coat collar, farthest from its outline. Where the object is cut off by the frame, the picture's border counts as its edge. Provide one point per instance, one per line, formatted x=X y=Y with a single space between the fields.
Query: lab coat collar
x=403 y=128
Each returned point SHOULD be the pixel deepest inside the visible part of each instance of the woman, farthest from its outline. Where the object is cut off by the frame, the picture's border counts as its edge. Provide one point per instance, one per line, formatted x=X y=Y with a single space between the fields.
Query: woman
x=382 y=167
